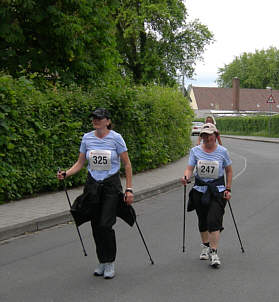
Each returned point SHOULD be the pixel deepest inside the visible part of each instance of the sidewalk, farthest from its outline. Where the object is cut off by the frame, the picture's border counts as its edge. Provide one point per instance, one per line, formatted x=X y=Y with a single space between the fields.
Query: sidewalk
x=46 y=210
x=255 y=138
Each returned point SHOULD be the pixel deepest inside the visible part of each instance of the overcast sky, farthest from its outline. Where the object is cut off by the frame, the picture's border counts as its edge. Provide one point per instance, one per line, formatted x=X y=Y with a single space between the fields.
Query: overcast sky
x=238 y=26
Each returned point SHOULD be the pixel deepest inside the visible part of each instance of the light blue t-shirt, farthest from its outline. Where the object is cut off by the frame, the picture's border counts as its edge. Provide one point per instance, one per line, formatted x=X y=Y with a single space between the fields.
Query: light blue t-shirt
x=209 y=166
x=103 y=154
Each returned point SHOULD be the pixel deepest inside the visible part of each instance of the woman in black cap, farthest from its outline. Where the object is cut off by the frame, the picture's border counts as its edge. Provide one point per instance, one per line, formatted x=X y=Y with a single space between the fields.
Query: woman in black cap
x=103 y=149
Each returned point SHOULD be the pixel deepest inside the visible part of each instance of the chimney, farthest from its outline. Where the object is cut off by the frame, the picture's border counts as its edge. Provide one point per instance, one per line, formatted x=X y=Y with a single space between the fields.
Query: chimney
x=236 y=89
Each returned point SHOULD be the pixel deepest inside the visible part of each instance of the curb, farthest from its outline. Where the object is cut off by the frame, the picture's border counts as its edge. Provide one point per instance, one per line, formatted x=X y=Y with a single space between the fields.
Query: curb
x=34 y=225
x=52 y=220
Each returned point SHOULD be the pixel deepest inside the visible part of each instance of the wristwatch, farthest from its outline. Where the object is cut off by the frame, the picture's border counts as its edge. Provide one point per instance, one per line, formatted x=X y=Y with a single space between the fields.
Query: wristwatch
x=129 y=190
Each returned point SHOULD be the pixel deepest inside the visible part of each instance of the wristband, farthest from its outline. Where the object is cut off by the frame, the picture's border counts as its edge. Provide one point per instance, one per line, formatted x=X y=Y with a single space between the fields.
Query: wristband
x=229 y=190
x=129 y=190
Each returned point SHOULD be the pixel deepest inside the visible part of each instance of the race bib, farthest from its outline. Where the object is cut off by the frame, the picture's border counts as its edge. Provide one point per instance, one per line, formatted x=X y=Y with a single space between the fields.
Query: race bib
x=208 y=169
x=100 y=159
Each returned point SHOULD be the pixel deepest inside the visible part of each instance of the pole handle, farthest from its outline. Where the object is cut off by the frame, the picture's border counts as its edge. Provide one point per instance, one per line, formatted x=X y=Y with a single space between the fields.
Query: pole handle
x=188 y=181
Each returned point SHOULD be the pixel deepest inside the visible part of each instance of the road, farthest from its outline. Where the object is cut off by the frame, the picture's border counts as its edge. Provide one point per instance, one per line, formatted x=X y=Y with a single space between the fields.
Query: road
x=49 y=265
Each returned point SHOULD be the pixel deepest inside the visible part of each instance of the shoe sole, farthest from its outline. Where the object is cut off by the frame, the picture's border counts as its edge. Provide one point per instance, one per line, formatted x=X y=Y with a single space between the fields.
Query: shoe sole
x=108 y=277
x=98 y=275
x=204 y=258
x=215 y=265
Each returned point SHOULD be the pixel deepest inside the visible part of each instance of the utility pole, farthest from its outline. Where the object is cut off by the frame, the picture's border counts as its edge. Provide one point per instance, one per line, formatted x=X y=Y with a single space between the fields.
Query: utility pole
x=270 y=101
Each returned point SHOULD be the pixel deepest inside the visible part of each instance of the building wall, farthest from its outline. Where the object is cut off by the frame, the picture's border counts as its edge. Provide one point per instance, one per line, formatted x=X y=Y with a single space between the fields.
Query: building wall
x=193 y=102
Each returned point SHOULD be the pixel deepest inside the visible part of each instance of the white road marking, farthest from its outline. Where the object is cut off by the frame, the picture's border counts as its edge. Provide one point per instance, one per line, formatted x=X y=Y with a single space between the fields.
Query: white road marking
x=244 y=168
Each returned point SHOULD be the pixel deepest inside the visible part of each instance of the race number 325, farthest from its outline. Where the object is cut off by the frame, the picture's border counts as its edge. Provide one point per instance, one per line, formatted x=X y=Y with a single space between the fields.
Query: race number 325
x=100 y=159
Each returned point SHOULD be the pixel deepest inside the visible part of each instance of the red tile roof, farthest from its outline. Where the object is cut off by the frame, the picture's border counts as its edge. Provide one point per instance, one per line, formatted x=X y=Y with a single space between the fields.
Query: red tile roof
x=215 y=98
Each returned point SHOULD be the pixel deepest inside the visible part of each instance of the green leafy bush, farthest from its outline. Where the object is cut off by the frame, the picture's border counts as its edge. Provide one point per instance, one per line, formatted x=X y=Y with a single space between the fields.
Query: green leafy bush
x=252 y=125
x=41 y=131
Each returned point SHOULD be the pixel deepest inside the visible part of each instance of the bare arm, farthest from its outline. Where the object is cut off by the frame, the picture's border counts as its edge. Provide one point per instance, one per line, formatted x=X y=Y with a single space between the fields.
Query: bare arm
x=229 y=173
x=187 y=173
x=219 y=139
x=128 y=173
x=75 y=168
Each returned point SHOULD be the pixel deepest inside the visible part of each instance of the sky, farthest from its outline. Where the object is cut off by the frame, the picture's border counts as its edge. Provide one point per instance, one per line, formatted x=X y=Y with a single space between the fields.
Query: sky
x=238 y=26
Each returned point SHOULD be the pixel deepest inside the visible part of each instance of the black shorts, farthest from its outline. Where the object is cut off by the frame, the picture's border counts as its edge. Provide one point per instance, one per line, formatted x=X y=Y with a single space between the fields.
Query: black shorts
x=210 y=217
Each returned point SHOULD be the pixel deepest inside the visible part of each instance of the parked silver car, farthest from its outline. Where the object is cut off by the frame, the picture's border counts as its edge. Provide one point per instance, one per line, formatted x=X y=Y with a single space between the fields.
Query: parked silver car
x=196 y=128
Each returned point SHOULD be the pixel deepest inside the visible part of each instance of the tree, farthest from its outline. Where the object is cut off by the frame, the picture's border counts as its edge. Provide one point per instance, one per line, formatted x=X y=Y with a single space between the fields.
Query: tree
x=91 y=40
x=73 y=40
x=254 y=70
x=155 y=41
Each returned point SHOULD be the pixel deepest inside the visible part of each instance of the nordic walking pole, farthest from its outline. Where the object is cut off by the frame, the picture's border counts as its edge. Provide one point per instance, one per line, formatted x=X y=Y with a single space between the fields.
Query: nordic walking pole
x=151 y=260
x=184 y=218
x=68 y=198
x=184 y=215
x=242 y=249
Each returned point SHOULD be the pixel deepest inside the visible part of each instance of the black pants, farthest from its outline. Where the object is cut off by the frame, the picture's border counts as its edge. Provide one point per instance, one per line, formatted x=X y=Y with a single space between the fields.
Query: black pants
x=104 y=217
x=210 y=218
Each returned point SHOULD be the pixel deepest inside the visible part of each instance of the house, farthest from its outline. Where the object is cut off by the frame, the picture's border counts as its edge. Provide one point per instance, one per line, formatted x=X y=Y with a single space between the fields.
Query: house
x=232 y=101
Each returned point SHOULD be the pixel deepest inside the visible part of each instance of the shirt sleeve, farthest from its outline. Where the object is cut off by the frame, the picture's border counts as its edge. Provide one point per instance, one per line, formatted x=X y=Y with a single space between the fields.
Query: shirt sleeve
x=120 y=144
x=82 y=148
x=192 y=161
x=227 y=160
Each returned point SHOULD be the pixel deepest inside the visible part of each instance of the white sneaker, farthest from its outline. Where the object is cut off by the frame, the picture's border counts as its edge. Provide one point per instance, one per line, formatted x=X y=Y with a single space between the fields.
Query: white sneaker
x=109 y=271
x=99 y=271
x=204 y=253
x=214 y=259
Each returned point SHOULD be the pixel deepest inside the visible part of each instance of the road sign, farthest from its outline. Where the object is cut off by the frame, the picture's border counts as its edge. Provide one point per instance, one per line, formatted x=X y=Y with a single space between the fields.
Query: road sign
x=270 y=100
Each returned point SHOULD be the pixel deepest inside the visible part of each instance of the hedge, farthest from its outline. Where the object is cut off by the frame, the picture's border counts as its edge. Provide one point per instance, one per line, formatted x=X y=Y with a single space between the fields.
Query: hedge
x=41 y=130
x=252 y=125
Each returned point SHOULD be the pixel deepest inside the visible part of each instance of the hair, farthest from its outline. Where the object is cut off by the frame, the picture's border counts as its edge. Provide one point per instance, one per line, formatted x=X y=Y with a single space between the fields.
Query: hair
x=109 y=126
x=212 y=118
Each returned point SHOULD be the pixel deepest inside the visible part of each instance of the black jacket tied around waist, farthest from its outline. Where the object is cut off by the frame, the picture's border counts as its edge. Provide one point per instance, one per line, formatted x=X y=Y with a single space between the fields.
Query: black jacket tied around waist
x=212 y=191
x=83 y=207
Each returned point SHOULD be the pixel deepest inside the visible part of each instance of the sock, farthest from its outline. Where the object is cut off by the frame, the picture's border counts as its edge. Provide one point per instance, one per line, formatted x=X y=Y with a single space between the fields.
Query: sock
x=213 y=250
x=206 y=244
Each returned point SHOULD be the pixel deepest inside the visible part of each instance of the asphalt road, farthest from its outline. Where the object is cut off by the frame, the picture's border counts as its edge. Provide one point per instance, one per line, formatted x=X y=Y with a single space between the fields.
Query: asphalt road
x=49 y=265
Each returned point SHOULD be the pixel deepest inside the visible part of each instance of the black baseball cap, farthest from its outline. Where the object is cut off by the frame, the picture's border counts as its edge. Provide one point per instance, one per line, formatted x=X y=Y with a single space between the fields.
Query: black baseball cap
x=100 y=113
